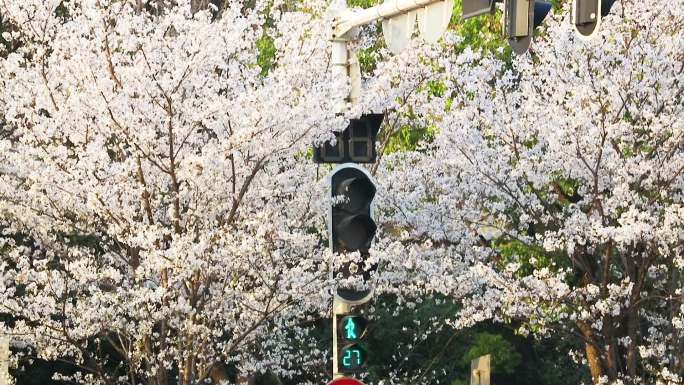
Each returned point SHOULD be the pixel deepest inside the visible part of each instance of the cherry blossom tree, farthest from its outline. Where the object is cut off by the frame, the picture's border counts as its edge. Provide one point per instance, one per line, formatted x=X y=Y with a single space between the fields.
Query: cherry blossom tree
x=568 y=164
x=160 y=220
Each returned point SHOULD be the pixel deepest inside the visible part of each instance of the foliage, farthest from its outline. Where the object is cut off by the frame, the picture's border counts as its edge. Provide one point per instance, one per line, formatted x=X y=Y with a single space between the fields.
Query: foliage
x=480 y=33
x=504 y=358
x=572 y=154
x=267 y=52
x=154 y=160
x=140 y=146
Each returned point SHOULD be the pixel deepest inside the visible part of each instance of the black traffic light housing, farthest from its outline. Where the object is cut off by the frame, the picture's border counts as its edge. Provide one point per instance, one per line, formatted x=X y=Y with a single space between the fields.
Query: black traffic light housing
x=472 y=8
x=352 y=227
x=355 y=144
x=586 y=16
x=520 y=19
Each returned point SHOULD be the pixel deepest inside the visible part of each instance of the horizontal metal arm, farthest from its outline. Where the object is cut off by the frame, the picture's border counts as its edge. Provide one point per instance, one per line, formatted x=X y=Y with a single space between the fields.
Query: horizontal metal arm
x=385 y=10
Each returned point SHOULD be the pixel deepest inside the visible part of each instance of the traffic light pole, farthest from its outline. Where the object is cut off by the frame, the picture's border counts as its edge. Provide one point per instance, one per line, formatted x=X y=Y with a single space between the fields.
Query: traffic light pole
x=4 y=358
x=346 y=66
x=339 y=307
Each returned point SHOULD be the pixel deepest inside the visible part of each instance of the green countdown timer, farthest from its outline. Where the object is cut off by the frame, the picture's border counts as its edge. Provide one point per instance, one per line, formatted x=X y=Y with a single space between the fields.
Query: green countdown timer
x=352 y=357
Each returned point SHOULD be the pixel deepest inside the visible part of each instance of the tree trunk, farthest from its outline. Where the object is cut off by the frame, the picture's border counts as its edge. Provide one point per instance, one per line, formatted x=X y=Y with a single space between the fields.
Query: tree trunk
x=632 y=330
x=219 y=374
x=198 y=5
x=610 y=361
x=593 y=353
x=680 y=364
x=594 y=359
x=675 y=308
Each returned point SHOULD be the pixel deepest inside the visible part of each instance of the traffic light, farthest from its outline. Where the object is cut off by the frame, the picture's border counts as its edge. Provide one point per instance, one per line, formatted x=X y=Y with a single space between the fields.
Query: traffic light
x=520 y=19
x=352 y=354
x=586 y=16
x=472 y=8
x=352 y=225
x=353 y=327
x=355 y=144
x=351 y=228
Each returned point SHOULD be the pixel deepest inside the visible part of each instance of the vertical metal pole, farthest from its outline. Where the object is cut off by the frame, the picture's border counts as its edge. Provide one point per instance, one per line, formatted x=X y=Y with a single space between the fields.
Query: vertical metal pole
x=346 y=66
x=354 y=78
x=4 y=359
x=339 y=307
x=345 y=63
x=340 y=65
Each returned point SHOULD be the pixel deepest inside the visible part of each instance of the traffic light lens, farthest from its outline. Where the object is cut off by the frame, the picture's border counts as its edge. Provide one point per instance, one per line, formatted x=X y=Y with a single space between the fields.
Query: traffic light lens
x=361 y=149
x=332 y=150
x=586 y=12
x=329 y=152
x=361 y=141
x=360 y=130
x=356 y=233
x=353 y=357
x=352 y=328
x=358 y=193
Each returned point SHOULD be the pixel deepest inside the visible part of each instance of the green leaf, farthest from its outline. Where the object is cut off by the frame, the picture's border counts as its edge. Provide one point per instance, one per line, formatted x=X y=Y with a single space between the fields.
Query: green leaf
x=504 y=360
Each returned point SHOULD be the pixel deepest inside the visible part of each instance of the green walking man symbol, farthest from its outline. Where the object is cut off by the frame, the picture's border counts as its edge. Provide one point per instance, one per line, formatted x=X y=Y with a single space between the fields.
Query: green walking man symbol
x=350 y=329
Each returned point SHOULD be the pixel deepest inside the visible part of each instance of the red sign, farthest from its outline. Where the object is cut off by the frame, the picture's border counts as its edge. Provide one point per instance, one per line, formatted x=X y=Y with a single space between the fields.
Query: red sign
x=345 y=381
